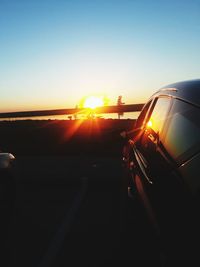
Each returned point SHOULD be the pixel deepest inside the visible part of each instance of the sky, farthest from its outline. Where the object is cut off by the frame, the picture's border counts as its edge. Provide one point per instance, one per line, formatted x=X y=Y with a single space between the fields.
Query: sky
x=55 y=52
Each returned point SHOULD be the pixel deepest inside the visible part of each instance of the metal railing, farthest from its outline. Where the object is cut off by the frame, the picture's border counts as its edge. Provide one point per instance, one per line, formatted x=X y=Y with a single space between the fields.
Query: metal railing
x=99 y=110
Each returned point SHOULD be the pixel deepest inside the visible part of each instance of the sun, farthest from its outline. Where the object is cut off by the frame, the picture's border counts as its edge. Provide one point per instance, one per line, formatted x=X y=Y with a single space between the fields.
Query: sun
x=149 y=124
x=93 y=102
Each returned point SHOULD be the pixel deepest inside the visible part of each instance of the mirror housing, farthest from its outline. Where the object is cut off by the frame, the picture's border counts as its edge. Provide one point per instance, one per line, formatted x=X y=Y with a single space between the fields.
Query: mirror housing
x=6 y=160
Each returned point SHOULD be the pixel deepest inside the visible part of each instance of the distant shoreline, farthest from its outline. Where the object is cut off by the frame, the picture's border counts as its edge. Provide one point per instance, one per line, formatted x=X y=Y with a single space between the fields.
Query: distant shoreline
x=132 y=115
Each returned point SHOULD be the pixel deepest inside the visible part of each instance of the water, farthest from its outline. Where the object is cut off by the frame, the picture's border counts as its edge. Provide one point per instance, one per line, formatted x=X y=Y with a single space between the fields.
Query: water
x=127 y=115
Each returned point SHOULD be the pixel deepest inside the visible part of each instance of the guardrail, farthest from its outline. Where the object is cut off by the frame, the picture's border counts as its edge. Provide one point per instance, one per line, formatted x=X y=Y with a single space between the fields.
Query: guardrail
x=99 y=110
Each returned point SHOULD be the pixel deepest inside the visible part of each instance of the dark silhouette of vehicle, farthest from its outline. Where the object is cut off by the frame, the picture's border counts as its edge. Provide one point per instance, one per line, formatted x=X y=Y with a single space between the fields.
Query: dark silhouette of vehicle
x=7 y=183
x=7 y=202
x=164 y=166
x=6 y=160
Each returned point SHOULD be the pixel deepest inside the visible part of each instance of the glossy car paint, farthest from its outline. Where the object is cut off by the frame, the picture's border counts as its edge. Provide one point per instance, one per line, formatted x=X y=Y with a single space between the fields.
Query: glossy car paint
x=168 y=182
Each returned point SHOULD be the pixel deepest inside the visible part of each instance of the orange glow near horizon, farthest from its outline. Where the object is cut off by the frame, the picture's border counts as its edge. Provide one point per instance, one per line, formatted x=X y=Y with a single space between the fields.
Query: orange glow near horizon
x=93 y=102
x=89 y=122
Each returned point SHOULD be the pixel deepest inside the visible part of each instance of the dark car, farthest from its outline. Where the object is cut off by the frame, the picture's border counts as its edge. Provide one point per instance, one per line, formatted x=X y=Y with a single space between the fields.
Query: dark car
x=7 y=182
x=164 y=163
x=7 y=203
x=6 y=160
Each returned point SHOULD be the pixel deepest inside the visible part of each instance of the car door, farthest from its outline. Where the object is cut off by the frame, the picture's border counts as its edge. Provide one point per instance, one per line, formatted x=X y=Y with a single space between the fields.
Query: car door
x=152 y=164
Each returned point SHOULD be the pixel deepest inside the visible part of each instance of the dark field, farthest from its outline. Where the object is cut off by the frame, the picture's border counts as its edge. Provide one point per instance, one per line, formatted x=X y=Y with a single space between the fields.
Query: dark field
x=96 y=137
x=70 y=206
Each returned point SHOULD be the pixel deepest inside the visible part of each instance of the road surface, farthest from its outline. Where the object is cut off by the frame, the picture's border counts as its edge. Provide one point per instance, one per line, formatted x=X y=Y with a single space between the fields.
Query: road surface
x=72 y=212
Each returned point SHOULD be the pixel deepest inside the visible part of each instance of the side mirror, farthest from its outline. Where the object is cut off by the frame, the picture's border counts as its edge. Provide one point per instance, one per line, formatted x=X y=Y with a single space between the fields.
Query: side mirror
x=5 y=160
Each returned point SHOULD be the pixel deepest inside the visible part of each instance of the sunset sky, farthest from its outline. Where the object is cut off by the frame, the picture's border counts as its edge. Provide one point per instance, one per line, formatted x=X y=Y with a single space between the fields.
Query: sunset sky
x=54 y=52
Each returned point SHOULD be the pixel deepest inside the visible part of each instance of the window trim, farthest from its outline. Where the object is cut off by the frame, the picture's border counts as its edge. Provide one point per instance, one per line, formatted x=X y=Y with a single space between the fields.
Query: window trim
x=151 y=109
x=148 y=105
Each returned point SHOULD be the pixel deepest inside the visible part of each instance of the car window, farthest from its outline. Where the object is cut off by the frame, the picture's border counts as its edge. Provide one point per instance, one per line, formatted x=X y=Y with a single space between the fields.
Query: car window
x=141 y=118
x=158 y=115
x=154 y=125
x=183 y=132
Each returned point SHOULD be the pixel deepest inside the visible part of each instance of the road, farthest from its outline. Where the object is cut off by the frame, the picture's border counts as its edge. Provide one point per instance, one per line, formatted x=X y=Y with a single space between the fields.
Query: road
x=72 y=211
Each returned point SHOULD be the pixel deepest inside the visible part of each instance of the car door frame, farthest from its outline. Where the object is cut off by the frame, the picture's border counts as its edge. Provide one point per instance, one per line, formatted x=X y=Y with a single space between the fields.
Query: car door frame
x=142 y=179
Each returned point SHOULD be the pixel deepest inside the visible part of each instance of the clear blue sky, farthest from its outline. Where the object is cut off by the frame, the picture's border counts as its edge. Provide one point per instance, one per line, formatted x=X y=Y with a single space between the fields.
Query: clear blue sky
x=54 y=52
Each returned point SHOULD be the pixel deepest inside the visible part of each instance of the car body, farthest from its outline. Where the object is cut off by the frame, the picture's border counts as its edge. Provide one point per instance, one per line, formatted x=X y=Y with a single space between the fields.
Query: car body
x=6 y=160
x=7 y=183
x=165 y=160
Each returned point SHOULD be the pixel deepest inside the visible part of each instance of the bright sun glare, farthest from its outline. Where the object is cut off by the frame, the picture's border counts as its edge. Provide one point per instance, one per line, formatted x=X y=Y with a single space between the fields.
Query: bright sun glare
x=93 y=102
x=149 y=124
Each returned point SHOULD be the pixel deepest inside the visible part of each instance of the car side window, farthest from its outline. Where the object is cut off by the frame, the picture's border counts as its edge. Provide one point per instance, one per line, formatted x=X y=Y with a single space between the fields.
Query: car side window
x=141 y=118
x=182 y=138
x=158 y=115
x=154 y=125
